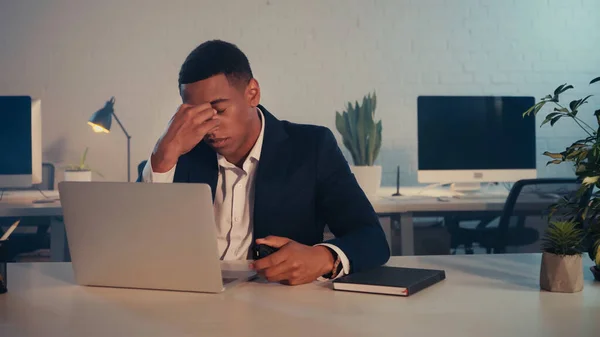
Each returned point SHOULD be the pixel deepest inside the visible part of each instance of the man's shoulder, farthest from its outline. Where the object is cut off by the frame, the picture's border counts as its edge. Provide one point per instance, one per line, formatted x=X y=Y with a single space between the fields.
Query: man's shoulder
x=299 y=131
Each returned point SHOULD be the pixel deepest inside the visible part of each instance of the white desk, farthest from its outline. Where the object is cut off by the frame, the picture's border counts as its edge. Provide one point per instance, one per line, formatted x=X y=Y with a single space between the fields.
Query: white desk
x=419 y=201
x=483 y=295
x=21 y=204
x=415 y=202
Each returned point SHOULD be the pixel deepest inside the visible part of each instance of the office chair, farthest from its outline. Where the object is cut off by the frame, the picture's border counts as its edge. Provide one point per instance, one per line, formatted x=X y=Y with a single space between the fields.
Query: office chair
x=140 y=170
x=511 y=229
x=29 y=242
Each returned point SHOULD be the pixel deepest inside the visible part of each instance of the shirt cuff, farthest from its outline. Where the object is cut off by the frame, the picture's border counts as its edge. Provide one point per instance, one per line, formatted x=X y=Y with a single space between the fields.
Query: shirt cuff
x=149 y=176
x=343 y=259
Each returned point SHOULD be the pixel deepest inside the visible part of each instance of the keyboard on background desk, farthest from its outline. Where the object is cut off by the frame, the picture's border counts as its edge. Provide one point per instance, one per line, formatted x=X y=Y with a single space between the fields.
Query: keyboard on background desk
x=407 y=197
x=428 y=193
x=482 y=195
x=30 y=196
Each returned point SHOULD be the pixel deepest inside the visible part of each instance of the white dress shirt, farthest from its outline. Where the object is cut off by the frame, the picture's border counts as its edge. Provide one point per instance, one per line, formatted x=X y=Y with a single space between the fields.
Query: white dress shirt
x=234 y=203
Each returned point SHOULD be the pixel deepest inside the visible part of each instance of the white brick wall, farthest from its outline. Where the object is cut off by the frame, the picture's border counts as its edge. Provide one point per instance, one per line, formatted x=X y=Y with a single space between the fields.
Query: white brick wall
x=310 y=57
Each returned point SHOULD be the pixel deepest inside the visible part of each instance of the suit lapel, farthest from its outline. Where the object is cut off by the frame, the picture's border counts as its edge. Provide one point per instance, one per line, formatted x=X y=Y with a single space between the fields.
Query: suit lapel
x=271 y=174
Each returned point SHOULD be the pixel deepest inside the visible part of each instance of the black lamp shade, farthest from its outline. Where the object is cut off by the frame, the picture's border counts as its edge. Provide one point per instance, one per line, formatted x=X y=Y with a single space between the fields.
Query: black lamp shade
x=101 y=120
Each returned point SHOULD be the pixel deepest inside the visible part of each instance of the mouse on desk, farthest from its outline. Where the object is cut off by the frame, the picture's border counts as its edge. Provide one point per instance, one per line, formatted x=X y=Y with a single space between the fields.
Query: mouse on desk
x=262 y=251
x=443 y=199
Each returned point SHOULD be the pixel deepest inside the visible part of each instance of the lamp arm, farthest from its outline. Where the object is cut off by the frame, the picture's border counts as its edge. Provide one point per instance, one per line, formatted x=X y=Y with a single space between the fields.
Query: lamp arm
x=128 y=147
x=121 y=125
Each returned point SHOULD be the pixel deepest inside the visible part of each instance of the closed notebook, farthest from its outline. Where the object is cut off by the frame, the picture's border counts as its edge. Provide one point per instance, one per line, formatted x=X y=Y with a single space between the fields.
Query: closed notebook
x=390 y=280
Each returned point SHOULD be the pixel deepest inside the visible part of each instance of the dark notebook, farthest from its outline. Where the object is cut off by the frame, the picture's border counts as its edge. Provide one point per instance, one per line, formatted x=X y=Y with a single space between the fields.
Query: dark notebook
x=390 y=280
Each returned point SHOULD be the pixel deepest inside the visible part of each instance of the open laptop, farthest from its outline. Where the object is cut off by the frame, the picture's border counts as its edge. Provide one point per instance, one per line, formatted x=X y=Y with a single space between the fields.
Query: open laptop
x=150 y=236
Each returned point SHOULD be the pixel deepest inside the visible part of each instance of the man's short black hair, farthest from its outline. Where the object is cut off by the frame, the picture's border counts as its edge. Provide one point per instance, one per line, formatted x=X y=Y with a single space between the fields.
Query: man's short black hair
x=213 y=58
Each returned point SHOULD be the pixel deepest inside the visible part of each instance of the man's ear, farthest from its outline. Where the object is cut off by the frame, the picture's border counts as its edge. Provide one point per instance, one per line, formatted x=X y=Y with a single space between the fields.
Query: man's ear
x=253 y=93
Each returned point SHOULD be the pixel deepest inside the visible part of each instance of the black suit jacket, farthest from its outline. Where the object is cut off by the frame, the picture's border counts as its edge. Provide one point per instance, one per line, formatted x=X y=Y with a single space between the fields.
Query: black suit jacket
x=302 y=183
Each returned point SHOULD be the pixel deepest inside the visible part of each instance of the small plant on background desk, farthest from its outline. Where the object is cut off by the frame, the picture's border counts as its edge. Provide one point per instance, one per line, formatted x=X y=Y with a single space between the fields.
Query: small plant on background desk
x=80 y=171
x=584 y=155
x=81 y=166
x=361 y=135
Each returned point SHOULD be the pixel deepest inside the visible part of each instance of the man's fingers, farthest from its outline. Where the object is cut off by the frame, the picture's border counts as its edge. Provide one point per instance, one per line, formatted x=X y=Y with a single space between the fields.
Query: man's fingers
x=280 y=272
x=271 y=260
x=207 y=126
x=189 y=108
x=201 y=116
x=273 y=241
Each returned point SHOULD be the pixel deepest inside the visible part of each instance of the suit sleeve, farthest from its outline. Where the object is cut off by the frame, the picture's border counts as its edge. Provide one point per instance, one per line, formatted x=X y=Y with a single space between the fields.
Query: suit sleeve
x=347 y=210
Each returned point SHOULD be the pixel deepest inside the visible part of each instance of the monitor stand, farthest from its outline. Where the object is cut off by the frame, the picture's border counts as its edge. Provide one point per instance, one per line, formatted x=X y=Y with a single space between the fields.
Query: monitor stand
x=466 y=188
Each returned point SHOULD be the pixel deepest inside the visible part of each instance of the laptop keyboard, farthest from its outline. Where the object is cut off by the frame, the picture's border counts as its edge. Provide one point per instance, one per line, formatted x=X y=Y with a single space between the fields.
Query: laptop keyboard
x=227 y=280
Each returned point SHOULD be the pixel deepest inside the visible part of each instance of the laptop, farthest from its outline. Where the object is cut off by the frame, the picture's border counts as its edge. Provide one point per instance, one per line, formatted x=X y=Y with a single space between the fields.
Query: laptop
x=148 y=236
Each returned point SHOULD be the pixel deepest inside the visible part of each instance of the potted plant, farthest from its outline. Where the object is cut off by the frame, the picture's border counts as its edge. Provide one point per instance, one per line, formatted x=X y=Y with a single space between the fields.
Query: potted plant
x=594 y=252
x=79 y=172
x=361 y=135
x=562 y=267
x=584 y=155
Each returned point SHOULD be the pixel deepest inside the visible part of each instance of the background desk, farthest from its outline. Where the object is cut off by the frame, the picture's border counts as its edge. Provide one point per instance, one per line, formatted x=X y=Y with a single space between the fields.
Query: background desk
x=21 y=204
x=424 y=203
x=416 y=202
x=483 y=295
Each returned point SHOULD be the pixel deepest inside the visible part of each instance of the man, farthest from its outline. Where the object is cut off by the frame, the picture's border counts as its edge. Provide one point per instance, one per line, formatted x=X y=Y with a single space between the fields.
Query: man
x=273 y=182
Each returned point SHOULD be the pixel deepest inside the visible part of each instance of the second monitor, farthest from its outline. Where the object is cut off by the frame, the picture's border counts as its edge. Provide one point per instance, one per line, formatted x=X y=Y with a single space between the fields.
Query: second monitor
x=468 y=140
x=20 y=142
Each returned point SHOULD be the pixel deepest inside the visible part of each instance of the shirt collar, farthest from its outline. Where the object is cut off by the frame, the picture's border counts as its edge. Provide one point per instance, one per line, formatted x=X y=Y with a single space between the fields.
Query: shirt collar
x=255 y=152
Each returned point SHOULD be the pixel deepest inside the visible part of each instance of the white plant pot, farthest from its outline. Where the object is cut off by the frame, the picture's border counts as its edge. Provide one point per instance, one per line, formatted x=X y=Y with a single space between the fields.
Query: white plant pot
x=368 y=177
x=78 y=175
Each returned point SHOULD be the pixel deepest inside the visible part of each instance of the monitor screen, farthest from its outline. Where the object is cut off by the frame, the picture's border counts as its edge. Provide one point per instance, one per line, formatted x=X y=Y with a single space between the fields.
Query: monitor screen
x=15 y=135
x=475 y=133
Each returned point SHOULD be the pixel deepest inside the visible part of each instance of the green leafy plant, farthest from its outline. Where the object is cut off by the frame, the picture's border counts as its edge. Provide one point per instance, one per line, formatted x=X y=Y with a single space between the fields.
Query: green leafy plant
x=82 y=165
x=584 y=155
x=594 y=250
x=563 y=238
x=361 y=134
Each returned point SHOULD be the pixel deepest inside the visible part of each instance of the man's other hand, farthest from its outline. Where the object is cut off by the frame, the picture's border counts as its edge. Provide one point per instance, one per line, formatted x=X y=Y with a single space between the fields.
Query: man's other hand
x=293 y=263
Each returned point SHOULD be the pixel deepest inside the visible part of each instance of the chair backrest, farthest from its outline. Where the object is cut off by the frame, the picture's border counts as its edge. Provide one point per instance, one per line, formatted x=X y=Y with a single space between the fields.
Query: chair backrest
x=529 y=196
x=140 y=169
x=48 y=173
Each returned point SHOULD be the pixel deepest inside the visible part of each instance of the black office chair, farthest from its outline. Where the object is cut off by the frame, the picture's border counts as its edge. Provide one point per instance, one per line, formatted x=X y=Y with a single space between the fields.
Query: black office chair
x=21 y=243
x=511 y=230
x=140 y=170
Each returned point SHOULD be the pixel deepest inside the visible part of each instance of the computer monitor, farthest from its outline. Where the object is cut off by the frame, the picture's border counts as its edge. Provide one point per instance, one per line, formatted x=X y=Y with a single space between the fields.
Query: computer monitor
x=20 y=142
x=469 y=140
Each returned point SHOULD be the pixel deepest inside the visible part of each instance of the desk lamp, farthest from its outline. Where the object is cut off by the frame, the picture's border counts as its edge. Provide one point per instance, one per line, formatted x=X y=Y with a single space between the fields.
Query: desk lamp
x=101 y=121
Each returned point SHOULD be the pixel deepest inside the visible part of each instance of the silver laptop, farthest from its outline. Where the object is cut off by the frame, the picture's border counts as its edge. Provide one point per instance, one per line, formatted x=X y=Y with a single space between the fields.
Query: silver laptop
x=151 y=236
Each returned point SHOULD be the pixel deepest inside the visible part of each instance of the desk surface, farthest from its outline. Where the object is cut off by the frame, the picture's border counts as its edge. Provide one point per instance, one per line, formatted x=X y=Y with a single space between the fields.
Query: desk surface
x=483 y=295
x=422 y=199
x=415 y=199
x=23 y=203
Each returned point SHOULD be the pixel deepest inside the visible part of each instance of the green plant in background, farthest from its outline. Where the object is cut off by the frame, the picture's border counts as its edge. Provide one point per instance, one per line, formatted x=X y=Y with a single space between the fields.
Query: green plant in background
x=594 y=250
x=584 y=154
x=360 y=133
x=563 y=238
x=82 y=165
